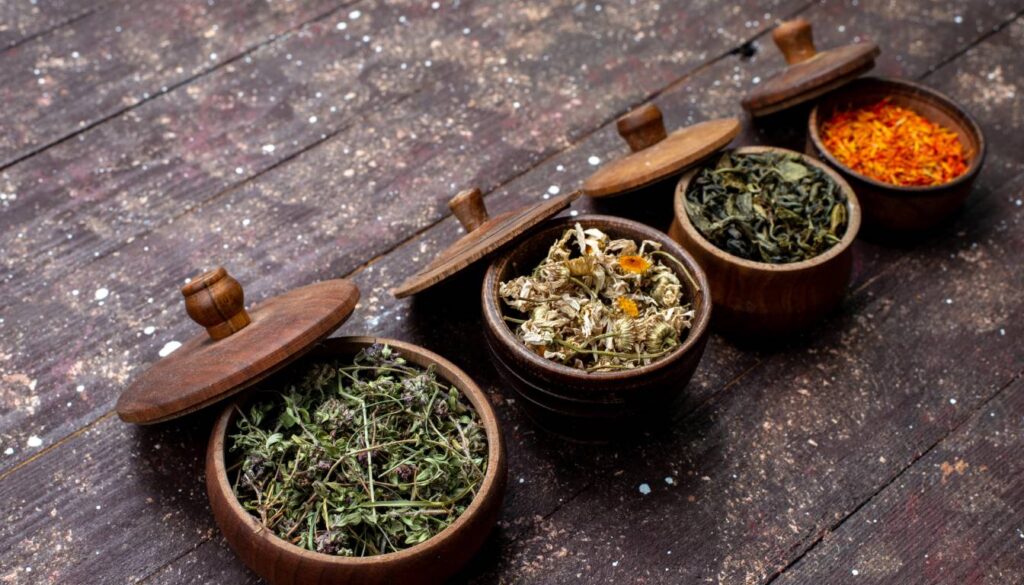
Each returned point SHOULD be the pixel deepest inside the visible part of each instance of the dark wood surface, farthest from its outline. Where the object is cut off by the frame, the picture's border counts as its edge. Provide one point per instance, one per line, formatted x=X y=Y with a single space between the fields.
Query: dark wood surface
x=302 y=152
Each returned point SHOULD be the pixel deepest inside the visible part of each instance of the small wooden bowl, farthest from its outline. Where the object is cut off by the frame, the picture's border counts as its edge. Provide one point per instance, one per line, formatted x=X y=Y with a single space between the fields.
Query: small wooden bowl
x=601 y=405
x=432 y=561
x=892 y=210
x=756 y=299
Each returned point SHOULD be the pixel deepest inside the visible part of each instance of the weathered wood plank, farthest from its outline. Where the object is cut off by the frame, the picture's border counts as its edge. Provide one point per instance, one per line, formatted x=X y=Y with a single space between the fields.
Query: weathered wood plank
x=288 y=226
x=579 y=471
x=955 y=516
x=118 y=56
x=21 y=22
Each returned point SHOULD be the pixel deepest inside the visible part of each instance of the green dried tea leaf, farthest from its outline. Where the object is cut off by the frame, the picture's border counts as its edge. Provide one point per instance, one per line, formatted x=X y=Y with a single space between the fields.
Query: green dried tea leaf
x=768 y=207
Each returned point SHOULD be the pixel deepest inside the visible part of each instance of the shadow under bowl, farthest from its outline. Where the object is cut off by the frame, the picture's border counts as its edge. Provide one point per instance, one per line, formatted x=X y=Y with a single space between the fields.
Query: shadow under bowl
x=432 y=561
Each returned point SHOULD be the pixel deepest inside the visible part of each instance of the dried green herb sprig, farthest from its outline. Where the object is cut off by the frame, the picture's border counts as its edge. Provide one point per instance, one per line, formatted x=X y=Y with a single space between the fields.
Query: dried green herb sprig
x=767 y=207
x=359 y=459
x=599 y=304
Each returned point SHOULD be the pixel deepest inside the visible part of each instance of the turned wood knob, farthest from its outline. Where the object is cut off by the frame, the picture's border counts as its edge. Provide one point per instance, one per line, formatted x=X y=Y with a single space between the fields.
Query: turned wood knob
x=642 y=127
x=795 y=40
x=468 y=207
x=216 y=301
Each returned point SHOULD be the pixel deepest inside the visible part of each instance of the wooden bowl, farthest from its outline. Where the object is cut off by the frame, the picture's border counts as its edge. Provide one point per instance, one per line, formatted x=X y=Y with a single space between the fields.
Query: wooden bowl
x=892 y=210
x=762 y=300
x=570 y=402
x=432 y=561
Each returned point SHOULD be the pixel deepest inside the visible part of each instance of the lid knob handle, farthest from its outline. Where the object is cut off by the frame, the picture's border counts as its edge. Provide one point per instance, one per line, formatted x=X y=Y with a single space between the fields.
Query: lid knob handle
x=216 y=301
x=642 y=127
x=795 y=39
x=468 y=207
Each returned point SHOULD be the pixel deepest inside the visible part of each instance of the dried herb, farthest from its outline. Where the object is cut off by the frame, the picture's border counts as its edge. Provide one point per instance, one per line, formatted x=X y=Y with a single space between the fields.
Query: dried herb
x=895 y=145
x=767 y=207
x=599 y=304
x=358 y=459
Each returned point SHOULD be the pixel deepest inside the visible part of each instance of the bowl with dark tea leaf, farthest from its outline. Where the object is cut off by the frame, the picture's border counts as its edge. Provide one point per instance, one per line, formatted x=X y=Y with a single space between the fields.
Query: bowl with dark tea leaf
x=368 y=461
x=598 y=323
x=772 y=228
x=911 y=153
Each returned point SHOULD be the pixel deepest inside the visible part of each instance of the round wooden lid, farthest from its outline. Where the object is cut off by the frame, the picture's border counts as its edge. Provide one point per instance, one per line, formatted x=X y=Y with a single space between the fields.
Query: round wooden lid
x=239 y=347
x=484 y=235
x=657 y=156
x=810 y=73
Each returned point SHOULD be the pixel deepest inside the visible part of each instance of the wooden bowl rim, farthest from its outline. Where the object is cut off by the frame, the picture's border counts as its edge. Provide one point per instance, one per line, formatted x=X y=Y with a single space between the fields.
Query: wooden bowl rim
x=459 y=379
x=971 y=126
x=852 y=225
x=492 y=304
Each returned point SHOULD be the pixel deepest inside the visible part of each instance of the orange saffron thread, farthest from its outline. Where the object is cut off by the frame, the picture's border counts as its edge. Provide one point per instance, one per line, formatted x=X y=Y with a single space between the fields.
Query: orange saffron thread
x=895 y=145
x=634 y=264
x=628 y=306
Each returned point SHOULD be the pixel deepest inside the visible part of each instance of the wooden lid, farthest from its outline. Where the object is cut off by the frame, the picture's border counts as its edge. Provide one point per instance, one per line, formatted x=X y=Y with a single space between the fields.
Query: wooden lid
x=484 y=235
x=657 y=155
x=239 y=347
x=810 y=73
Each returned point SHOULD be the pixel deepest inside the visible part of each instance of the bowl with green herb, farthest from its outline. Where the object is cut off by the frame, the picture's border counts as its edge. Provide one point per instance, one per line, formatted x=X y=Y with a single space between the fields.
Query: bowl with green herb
x=772 y=229
x=597 y=322
x=368 y=461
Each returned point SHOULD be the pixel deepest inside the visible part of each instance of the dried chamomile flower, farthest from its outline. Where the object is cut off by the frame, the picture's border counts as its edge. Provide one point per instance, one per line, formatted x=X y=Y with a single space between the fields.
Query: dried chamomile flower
x=599 y=304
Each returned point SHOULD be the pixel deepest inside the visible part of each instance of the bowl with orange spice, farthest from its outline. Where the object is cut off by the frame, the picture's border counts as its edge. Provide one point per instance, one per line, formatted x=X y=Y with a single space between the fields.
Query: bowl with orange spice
x=910 y=153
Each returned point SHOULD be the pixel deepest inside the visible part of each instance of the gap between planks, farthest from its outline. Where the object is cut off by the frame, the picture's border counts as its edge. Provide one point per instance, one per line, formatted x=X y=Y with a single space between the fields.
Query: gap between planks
x=968 y=418
x=271 y=39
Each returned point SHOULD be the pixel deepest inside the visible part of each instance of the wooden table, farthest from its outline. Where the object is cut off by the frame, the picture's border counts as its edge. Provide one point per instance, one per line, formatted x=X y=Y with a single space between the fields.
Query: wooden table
x=297 y=141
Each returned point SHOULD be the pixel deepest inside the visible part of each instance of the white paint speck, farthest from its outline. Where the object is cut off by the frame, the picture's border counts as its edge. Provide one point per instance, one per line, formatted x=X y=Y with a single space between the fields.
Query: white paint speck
x=213 y=56
x=74 y=292
x=9 y=451
x=949 y=301
x=958 y=19
x=239 y=171
x=349 y=173
x=100 y=294
x=246 y=222
x=855 y=572
x=670 y=481
x=269 y=148
x=521 y=480
x=34 y=441
x=594 y=161
x=75 y=54
x=312 y=119
x=615 y=563
x=149 y=330
x=341 y=25
x=952 y=400
x=574 y=213
x=554 y=189
x=354 y=15
x=435 y=5
x=645 y=489
x=1002 y=332
x=756 y=80
x=80 y=388
x=169 y=348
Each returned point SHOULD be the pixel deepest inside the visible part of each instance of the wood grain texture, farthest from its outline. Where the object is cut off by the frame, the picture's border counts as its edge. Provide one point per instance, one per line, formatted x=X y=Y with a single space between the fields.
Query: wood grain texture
x=955 y=516
x=20 y=23
x=808 y=73
x=163 y=483
x=207 y=368
x=482 y=239
x=662 y=160
x=317 y=215
x=759 y=301
x=430 y=562
x=120 y=55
